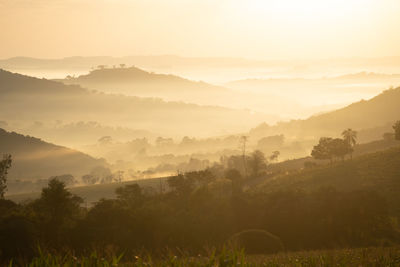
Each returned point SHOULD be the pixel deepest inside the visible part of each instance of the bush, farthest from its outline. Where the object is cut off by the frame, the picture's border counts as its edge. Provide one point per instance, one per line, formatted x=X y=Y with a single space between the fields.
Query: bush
x=256 y=241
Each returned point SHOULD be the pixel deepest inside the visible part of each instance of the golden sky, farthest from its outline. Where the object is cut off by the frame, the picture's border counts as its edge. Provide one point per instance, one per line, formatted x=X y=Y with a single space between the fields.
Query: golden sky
x=261 y=29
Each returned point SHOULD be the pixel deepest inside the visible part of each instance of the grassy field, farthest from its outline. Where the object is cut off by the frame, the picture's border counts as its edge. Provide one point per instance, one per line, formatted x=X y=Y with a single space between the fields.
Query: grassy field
x=93 y=193
x=368 y=257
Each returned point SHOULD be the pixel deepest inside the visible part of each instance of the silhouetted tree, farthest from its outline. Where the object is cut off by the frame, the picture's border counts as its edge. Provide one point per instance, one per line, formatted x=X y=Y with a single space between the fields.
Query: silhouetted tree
x=322 y=150
x=396 y=128
x=5 y=164
x=236 y=179
x=130 y=194
x=274 y=155
x=67 y=179
x=90 y=179
x=181 y=184
x=339 y=148
x=350 y=137
x=257 y=162
x=57 y=209
x=329 y=148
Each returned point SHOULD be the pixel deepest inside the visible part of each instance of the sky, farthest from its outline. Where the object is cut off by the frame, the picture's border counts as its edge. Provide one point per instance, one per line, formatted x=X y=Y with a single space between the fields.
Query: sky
x=256 y=29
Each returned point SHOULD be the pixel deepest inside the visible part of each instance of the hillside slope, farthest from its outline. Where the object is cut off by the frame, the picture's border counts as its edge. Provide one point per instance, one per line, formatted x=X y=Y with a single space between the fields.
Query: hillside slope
x=25 y=99
x=137 y=82
x=381 y=110
x=35 y=159
x=379 y=171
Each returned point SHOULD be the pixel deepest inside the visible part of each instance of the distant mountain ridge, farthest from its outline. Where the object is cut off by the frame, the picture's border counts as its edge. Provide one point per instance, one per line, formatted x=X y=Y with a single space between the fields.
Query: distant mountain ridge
x=138 y=82
x=133 y=81
x=174 y=60
x=28 y=99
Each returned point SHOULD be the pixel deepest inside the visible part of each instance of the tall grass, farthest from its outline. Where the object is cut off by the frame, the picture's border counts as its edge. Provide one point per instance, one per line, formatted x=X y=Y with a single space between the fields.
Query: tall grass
x=374 y=257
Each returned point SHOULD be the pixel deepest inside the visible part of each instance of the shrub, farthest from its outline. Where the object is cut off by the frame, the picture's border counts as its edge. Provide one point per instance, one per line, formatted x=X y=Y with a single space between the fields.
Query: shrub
x=256 y=241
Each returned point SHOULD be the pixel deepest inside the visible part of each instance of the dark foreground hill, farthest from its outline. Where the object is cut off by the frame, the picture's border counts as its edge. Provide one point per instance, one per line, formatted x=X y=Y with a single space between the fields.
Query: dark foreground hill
x=35 y=159
x=379 y=171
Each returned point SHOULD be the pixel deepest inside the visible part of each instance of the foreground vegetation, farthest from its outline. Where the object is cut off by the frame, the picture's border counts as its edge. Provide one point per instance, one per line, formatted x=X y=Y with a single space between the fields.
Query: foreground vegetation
x=371 y=257
x=340 y=206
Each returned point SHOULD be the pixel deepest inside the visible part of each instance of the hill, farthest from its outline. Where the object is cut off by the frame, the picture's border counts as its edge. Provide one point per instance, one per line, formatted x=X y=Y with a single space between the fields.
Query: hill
x=34 y=159
x=379 y=171
x=381 y=110
x=137 y=82
x=322 y=94
x=26 y=99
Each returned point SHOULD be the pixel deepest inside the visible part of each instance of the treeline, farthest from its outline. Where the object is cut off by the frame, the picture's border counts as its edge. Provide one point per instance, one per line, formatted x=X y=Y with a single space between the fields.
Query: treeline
x=198 y=210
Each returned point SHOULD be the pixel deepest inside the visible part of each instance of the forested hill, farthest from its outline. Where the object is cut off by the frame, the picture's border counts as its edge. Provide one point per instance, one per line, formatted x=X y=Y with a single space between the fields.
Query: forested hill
x=34 y=159
x=378 y=111
x=135 y=81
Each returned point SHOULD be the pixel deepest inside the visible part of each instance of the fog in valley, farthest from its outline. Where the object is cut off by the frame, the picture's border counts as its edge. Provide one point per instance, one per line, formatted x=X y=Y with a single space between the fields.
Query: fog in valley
x=198 y=128
x=144 y=121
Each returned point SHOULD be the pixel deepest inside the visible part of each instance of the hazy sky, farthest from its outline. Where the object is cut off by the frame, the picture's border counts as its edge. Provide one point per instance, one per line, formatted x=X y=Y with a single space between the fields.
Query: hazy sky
x=267 y=29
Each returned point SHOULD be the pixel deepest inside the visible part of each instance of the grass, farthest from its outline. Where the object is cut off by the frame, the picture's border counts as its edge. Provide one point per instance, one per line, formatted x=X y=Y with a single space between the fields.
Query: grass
x=374 y=257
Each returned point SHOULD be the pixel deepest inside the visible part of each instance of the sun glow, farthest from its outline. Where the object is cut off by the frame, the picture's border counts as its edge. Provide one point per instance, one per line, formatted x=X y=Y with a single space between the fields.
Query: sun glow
x=306 y=11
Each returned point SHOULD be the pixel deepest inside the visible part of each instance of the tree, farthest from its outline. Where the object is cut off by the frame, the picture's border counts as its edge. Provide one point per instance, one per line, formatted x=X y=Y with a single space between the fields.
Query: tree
x=5 y=164
x=396 y=128
x=350 y=137
x=322 y=150
x=90 y=179
x=236 y=179
x=257 y=162
x=130 y=194
x=329 y=148
x=181 y=184
x=67 y=179
x=339 y=148
x=242 y=142
x=274 y=156
x=57 y=209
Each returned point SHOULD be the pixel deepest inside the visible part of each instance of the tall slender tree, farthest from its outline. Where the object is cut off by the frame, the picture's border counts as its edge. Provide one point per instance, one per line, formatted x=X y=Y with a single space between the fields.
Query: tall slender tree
x=350 y=136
